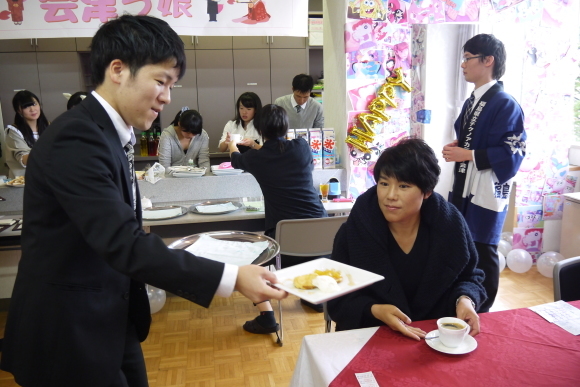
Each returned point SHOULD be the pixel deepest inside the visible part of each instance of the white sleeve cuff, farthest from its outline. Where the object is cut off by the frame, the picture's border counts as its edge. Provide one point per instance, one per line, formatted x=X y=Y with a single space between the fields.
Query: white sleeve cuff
x=228 y=281
x=473 y=157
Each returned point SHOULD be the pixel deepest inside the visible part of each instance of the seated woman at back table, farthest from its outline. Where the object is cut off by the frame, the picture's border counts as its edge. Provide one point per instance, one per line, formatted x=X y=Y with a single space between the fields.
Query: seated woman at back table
x=29 y=123
x=248 y=108
x=283 y=169
x=184 y=140
x=419 y=242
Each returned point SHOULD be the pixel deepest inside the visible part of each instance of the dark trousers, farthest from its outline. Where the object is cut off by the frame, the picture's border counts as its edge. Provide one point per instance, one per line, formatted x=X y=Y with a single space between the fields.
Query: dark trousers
x=489 y=263
x=133 y=372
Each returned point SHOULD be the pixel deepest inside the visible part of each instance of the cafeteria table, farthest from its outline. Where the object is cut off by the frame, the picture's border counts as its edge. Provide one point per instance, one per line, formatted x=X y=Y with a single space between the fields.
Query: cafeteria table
x=515 y=348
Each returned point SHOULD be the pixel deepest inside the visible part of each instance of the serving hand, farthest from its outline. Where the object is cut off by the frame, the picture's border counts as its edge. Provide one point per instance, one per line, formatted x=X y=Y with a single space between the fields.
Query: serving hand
x=466 y=313
x=246 y=142
x=453 y=153
x=251 y=282
x=396 y=320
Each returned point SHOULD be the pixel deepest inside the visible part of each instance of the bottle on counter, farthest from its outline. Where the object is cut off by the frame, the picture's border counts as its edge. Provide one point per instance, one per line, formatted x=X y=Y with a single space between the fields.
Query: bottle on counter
x=143 y=144
x=190 y=163
x=157 y=137
x=151 y=146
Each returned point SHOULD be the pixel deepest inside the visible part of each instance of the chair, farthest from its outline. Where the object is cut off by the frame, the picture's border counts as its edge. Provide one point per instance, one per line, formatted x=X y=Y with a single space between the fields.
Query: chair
x=305 y=238
x=567 y=280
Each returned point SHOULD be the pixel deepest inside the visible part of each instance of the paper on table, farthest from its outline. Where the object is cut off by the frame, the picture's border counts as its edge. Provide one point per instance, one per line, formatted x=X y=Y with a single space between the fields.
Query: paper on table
x=6 y=222
x=216 y=208
x=560 y=313
x=366 y=379
x=236 y=253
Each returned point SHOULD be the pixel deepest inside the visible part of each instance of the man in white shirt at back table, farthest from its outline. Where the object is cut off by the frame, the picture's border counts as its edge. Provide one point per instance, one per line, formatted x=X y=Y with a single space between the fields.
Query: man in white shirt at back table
x=303 y=111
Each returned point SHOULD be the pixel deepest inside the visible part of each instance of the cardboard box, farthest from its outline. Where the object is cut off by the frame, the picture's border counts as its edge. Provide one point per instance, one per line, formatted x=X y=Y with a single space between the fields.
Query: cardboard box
x=302 y=133
x=316 y=147
x=328 y=149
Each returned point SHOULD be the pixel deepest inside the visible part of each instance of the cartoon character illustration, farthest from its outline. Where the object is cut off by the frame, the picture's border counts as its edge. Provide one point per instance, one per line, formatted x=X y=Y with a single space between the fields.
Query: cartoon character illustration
x=396 y=12
x=532 y=239
x=402 y=56
x=372 y=9
x=555 y=185
x=16 y=8
x=256 y=12
x=362 y=32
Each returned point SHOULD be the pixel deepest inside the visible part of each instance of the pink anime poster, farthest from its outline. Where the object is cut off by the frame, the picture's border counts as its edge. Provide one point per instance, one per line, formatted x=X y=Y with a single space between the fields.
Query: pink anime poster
x=426 y=12
x=529 y=216
x=570 y=183
x=553 y=207
x=361 y=96
x=461 y=11
x=397 y=12
x=529 y=239
x=359 y=35
x=366 y=64
x=559 y=13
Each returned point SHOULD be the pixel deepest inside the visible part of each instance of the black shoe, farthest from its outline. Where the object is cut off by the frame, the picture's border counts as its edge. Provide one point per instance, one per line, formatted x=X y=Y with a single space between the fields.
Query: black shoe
x=316 y=307
x=253 y=326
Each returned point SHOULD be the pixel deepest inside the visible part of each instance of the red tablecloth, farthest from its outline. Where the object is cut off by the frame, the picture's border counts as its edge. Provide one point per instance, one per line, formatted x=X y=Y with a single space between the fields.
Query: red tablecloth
x=515 y=348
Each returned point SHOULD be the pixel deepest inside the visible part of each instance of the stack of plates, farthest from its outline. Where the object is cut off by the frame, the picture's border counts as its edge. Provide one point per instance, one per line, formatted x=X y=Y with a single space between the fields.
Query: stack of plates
x=184 y=171
x=219 y=172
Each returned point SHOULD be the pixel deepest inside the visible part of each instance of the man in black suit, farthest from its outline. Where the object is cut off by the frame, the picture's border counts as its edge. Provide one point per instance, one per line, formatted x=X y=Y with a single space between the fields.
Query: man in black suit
x=79 y=308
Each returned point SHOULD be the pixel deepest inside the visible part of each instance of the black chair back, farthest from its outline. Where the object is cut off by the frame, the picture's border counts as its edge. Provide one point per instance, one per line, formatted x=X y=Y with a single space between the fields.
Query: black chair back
x=567 y=280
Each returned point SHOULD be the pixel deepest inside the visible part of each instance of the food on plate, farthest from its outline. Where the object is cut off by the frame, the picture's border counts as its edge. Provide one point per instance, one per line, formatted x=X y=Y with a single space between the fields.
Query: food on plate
x=19 y=180
x=305 y=281
x=331 y=273
x=326 y=284
x=325 y=280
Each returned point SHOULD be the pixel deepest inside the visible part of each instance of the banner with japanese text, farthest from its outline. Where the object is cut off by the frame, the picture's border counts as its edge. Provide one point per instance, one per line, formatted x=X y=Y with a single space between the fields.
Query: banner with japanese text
x=27 y=19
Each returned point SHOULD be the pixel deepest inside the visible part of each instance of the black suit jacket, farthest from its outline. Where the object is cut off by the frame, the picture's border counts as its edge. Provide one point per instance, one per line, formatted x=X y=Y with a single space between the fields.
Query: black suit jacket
x=85 y=259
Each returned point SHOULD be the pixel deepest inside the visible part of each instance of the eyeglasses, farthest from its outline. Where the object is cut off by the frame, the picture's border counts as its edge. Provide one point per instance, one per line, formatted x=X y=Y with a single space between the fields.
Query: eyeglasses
x=465 y=60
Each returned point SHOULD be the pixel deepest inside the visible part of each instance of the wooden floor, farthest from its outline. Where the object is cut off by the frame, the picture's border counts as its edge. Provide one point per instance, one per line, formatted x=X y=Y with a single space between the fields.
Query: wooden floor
x=190 y=346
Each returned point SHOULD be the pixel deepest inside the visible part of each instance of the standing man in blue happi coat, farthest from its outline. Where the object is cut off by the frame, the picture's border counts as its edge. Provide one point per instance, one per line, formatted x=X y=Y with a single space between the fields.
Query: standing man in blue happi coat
x=489 y=149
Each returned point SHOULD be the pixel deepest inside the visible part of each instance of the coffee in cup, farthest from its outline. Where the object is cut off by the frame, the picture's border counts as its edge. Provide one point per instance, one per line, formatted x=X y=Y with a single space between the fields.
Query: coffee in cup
x=452 y=331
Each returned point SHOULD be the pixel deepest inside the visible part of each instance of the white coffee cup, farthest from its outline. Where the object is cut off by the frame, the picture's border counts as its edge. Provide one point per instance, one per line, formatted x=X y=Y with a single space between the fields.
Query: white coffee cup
x=235 y=138
x=452 y=331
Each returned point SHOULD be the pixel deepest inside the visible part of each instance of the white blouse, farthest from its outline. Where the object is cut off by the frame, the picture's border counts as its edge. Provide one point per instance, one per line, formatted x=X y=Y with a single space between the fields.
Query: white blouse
x=250 y=132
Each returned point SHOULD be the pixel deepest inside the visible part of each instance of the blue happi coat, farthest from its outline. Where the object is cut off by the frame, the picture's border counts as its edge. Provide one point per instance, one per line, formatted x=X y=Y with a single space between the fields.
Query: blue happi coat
x=498 y=139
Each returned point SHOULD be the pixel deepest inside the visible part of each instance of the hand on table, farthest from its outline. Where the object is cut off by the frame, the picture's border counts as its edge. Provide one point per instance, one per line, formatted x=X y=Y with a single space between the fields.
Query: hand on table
x=466 y=313
x=251 y=282
x=453 y=153
x=396 y=320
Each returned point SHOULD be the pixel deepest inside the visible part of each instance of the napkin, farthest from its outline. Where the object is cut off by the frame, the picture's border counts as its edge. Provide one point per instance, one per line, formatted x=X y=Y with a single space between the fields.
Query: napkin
x=213 y=208
x=235 y=253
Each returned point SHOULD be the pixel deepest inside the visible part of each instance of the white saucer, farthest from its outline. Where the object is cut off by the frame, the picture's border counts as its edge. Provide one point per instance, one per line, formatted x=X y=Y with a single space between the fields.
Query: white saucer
x=468 y=345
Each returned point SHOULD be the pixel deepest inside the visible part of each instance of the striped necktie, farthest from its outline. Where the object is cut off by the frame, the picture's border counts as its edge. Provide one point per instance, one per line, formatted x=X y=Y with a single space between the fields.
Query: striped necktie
x=469 y=107
x=298 y=108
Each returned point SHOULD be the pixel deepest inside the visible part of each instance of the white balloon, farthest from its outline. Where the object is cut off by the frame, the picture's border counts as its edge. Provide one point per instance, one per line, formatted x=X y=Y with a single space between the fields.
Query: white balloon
x=504 y=247
x=501 y=261
x=547 y=261
x=508 y=237
x=519 y=260
x=156 y=297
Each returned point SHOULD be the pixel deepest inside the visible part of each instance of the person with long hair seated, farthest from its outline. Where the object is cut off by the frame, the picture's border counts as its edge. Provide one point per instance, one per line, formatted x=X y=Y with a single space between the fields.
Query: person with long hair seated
x=248 y=107
x=184 y=140
x=419 y=242
x=283 y=169
x=29 y=123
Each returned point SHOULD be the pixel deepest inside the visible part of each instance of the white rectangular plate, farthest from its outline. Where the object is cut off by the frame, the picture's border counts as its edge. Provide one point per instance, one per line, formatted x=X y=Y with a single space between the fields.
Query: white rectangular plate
x=353 y=279
x=219 y=172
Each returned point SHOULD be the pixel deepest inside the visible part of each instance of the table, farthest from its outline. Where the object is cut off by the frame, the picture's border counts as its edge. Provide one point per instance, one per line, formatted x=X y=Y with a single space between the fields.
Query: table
x=515 y=348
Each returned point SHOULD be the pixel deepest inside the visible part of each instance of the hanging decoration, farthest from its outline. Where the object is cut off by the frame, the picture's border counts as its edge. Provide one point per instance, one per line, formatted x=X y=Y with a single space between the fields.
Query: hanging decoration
x=385 y=98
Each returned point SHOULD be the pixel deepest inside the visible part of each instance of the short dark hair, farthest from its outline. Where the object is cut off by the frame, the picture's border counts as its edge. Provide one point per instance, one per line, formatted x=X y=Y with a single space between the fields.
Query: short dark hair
x=21 y=100
x=488 y=45
x=411 y=161
x=137 y=41
x=249 y=100
x=190 y=121
x=75 y=99
x=303 y=83
x=273 y=122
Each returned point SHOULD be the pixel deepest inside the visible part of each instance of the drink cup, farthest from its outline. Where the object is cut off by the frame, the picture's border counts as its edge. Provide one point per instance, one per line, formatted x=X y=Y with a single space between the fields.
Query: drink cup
x=452 y=331
x=235 y=138
x=324 y=188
